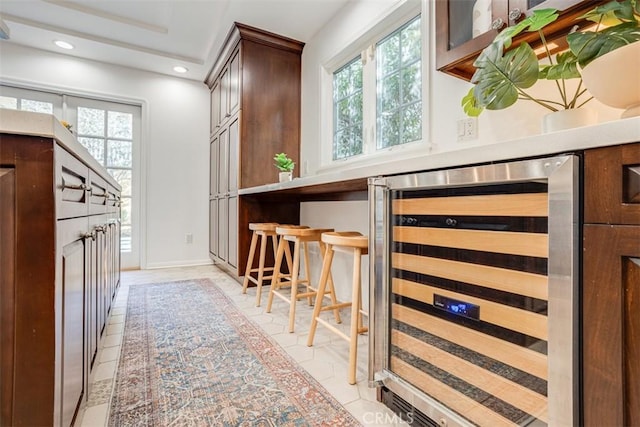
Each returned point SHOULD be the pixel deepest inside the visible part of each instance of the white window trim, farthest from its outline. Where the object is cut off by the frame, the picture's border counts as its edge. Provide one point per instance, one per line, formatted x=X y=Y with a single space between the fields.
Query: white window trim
x=364 y=45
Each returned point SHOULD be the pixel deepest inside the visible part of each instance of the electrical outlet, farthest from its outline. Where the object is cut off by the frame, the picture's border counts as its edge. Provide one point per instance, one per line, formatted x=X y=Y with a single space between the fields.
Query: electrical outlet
x=188 y=238
x=467 y=129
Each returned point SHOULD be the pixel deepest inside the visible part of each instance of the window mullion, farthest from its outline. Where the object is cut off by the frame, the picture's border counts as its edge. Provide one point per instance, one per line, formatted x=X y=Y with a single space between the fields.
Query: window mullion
x=369 y=100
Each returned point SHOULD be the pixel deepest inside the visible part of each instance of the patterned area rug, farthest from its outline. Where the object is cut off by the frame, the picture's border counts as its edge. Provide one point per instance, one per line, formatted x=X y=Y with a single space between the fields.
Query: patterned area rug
x=191 y=358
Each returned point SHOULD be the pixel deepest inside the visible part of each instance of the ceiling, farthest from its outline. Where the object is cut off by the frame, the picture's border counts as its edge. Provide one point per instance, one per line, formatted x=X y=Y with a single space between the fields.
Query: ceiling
x=156 y=35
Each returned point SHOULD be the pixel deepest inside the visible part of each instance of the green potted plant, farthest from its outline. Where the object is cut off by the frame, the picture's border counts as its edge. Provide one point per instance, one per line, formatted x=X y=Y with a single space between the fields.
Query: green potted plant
x=609 y=55
x=285 y=165
x=504 y=74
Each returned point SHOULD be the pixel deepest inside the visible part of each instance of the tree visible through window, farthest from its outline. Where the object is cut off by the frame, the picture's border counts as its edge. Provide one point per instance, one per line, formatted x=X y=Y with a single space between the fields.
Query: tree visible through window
x=108 y=136
x=399 y=86
x=377 y=96
x=347 y=108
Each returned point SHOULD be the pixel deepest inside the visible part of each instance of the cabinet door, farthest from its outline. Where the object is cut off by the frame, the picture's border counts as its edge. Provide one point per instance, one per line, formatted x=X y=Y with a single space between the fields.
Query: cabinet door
x=465 y=27
x=234 y=162
x=232 y=257
x=73 y=276
x=213 y=165
x=612 y=185
x=611 y=326
x=225 y=110
x=7 y=292
x=234 y=83
x=215 y=108
x=223 y=228
x=213 y=227
x=223 y=162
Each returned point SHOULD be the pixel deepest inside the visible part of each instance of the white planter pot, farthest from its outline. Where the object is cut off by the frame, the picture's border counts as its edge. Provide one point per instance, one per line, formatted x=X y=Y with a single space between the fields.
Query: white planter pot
x=285 y=176
x=613 y=79
x=568 y=119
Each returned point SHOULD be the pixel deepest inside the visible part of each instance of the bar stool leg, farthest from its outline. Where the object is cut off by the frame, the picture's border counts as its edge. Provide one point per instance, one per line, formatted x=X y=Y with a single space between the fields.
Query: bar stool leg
x=294 y=285
x=355 y=315
x=332 y=289
x=252 y=252
x=322 y=284
x=263 y=253
x=307 y=273
x=275 y=279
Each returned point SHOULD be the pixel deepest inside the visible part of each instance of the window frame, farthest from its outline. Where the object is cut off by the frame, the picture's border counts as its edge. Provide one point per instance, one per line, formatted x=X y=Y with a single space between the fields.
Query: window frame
x=365 y=47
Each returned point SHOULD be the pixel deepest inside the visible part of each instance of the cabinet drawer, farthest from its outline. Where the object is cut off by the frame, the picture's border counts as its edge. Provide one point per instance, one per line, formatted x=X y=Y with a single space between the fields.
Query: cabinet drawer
x=72 y=185
x=98 y=195
x=113 y=199
x=612 y=185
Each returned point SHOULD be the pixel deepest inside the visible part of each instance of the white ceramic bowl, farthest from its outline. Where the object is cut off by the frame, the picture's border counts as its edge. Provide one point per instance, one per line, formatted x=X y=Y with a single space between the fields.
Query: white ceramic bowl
x=614 y=79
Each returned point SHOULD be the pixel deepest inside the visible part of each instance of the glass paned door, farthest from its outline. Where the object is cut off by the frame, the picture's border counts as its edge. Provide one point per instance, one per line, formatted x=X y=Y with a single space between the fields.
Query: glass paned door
x=111 y=133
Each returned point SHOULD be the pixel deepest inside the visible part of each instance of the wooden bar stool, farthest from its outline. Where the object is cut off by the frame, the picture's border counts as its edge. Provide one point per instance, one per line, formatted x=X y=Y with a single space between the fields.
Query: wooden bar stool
x=300 y=236
x=261 y=231
x=354 y=243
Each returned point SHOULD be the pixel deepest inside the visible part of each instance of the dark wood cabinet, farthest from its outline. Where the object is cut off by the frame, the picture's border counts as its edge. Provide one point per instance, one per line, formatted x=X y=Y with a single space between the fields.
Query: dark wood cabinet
x=611 y=287
x=466 y=27
x=60 y=267
x=255 y=113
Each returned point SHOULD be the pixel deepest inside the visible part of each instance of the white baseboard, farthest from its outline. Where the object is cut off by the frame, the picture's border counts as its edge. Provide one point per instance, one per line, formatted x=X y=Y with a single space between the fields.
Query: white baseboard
x=190 y=263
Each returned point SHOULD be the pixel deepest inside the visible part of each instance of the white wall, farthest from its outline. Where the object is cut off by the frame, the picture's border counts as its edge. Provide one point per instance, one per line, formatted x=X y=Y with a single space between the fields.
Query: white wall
x=443 y=106
x=445 y=92
x=175 y=138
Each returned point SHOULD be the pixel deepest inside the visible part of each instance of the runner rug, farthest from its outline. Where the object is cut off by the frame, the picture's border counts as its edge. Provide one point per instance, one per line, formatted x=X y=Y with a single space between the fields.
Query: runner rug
x=191 y=358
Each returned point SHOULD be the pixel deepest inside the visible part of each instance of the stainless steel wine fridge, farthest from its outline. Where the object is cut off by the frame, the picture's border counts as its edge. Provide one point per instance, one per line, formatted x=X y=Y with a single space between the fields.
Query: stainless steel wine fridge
x=474 y=308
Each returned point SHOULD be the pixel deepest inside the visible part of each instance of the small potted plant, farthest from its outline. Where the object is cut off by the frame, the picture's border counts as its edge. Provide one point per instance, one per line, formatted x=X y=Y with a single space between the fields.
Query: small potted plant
x=503 y=75
x=285 y=165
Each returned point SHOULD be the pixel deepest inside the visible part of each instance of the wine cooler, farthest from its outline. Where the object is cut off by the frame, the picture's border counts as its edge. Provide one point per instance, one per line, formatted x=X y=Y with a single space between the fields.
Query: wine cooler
x=474 y=308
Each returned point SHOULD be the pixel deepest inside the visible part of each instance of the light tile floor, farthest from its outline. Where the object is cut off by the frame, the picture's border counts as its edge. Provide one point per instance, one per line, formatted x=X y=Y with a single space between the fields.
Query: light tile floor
x=326 y=360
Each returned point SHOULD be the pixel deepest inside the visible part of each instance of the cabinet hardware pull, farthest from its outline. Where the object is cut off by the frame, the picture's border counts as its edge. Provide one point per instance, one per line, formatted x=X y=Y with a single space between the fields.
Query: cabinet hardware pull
x=84 y=187
x=497 y=24
x=515 y=14
x=451 y=222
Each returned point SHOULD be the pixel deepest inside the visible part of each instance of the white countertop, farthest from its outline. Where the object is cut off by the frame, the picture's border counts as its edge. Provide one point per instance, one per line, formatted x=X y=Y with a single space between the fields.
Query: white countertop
x=48 y=126
x=616 y=132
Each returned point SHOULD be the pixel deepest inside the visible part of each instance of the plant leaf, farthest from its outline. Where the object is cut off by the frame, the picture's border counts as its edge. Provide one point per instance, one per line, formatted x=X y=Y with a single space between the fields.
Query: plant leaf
x=498 y=78
x=566 y=67
x=541 y=18
x=470 y=104
x=591 y=45
x=613 y=12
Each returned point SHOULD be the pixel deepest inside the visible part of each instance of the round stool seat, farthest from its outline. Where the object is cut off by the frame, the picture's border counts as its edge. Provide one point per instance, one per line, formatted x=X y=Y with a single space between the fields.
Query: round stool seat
x=303 y=233
x=263 y=226
x=347 y=239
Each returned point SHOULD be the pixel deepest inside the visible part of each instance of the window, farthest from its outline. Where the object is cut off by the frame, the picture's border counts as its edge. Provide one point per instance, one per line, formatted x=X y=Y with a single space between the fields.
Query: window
x=399 y=87
x=347 y=107
x=379 y=94
x=108 y=135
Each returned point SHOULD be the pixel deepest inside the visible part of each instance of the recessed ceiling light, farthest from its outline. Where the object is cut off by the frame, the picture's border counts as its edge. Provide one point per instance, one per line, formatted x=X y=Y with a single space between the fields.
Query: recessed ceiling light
x=63 y=44
x=180 y=69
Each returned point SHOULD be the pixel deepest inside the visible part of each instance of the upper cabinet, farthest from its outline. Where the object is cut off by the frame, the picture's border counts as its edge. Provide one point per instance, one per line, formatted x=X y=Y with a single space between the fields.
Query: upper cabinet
x=465 y=27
